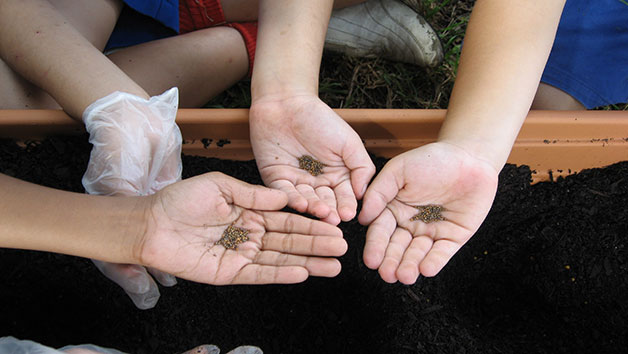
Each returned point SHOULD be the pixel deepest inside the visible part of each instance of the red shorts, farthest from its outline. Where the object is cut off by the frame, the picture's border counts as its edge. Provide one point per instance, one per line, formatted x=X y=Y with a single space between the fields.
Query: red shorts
x=199 y=14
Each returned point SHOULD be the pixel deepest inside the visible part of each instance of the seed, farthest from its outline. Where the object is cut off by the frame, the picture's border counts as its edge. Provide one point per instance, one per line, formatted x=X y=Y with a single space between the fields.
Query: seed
x=428 y=213
x=232 y=237
x=311 y=165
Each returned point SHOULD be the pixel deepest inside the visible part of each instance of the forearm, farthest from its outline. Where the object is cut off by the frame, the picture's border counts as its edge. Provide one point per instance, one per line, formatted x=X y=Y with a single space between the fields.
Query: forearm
x=504 y=54
x=39 y=44
x=45 y=219
x=289 y=47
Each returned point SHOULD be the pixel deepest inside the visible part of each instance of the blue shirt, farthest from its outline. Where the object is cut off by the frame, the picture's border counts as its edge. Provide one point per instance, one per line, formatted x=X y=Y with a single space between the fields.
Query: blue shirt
x=145 y=20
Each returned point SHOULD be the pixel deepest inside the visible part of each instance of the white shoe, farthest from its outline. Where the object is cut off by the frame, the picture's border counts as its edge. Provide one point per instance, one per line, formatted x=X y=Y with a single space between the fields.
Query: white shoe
x=384 y=28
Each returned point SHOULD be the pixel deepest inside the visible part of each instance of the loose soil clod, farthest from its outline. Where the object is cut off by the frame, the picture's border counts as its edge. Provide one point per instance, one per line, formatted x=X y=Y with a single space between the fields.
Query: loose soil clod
x=311 y=165
x=232 y=237
x=428 y=213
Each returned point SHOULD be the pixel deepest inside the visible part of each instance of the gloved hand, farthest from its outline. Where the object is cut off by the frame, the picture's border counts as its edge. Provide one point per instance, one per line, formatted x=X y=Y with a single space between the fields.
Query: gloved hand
x=136 y=151
x=212 y=349
x=15 y=346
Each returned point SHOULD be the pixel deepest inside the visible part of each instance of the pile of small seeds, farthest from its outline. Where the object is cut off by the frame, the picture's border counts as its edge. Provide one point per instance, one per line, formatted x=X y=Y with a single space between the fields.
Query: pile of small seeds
x=311 y=165
x=429 y=213
x=232 y=237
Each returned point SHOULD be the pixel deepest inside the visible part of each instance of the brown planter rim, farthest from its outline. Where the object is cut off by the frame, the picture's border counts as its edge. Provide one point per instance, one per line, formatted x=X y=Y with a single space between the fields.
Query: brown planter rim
x=552 y=143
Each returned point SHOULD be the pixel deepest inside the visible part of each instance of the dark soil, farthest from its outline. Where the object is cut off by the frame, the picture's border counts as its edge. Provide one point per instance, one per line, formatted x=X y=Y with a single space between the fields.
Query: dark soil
x=546 y=273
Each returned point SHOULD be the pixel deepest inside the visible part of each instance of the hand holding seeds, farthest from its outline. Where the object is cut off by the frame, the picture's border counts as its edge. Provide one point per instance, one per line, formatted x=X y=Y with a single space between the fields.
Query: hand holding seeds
x=218 y=230
x=422 y=207
x=305 y=149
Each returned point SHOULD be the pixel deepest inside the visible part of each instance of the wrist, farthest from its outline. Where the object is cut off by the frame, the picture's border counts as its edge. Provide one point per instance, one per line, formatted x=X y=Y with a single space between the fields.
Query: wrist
x=282 y=106
x=118 y=229
x=281 y=93
x=478 y=150
x=137 y=230
x=487 y=137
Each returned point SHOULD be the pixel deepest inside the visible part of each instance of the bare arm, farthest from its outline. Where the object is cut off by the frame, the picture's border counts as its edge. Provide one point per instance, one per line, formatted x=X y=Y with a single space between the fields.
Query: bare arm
x=176 y=230
x=289 y=121
x=39 y=44
x=505 y=50
x=45 y=219
x=289 y=48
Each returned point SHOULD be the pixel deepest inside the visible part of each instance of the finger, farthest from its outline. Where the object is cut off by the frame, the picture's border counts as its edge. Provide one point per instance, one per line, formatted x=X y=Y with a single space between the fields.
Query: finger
x=408 y=271
x=163 y=278
x=327 y=196
x=382 y=191
x=304 y=244
x=246 y=349
x=438 y=256
x=347 y=204
x=359 y=162
x=203 y=349
x=377 y=238
x=399 y=242
x=297 y=224
x=316 y=266
x=295 y=200
x=251 y=196
x=265 y=274
x=135 y=282
x=315 y=206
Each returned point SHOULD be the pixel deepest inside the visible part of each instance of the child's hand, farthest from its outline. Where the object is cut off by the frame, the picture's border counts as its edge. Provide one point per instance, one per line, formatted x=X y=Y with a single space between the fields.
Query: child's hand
x=282 y=131
x=436 y=174
x=186 y=221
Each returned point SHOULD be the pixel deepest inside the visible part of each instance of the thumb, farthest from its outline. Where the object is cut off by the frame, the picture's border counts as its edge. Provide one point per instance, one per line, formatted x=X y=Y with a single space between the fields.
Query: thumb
x=382 y=191
x=251 y=196
x=359 y=162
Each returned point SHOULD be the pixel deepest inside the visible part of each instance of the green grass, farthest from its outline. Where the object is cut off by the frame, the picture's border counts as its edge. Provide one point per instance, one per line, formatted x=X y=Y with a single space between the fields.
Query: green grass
x=615 y=107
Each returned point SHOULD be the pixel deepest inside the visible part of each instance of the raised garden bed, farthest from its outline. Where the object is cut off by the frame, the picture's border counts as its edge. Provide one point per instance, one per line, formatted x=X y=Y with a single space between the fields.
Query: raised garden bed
x=546 y=273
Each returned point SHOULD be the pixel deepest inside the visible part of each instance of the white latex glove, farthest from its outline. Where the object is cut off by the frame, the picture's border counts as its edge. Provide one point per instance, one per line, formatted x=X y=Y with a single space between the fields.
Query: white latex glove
x=137 y=144
x=136 y=151
x=212 y=349
x=15 y=346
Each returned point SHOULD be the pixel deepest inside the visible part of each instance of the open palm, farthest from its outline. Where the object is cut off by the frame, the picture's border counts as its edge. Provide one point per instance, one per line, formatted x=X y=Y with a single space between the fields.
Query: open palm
x=435 y=174
x=283 y=131
x=187 y=219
